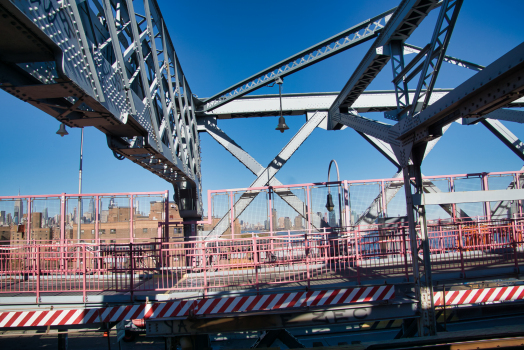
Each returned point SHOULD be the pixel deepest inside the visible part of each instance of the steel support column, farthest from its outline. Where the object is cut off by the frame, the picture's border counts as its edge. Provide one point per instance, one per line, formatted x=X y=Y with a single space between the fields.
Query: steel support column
x=417 y=217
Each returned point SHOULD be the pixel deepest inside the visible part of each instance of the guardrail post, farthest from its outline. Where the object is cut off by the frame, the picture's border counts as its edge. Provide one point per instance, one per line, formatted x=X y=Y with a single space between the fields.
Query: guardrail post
x=232 y=212
x=131 y=270
x=204 y=266
x=37 y=274
x=28 y=224
x=485 y=187
x=255 y=260
x=405 y=253
x=454 y=206
x=63 y=262
x=97 y=220
x=308 y=209
x=514 y=244
x=306 y=250
x=357 y=252
x=84 y=262
x=461 y=251
x=131 y=219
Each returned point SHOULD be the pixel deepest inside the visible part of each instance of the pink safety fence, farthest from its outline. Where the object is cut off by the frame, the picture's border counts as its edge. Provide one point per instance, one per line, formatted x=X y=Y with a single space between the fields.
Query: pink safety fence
x=296 y=260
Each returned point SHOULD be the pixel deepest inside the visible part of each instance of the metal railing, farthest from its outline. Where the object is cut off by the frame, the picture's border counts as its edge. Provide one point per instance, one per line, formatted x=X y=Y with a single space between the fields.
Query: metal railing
x=279 y=259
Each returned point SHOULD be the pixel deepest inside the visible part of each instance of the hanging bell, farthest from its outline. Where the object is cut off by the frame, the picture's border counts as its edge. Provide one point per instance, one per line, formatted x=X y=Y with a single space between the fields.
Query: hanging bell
x=282 y=126
x=329 y=205
x=62 y=131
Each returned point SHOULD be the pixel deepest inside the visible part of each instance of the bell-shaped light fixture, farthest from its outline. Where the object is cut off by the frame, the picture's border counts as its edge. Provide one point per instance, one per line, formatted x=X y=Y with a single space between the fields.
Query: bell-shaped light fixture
x=329 y=205
x=62 y=131
x=282 y=126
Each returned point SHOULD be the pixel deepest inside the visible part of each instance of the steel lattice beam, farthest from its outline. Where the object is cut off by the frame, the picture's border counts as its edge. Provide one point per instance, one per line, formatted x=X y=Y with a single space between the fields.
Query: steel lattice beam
x=109 y=66
x=496 y=86
x=351 y=37
x=405 y=20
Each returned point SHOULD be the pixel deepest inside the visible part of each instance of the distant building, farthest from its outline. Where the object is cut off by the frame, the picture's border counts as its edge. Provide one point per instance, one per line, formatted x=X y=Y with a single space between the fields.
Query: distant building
x=114 y=226
x=333 y=219
x=287 y=223
x=298 y=224
x=281 y=223
x=18 y=211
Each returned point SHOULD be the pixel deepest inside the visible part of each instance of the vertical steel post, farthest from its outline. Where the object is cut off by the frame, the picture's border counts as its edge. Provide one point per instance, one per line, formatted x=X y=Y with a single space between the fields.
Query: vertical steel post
x=97 y=220
x=256 y=261
x=518 y=187
x=384 y=202
x=306 y=251
x=405 y=253
x=461 y=251
x=79 y=212
x=84 y=284
x=514 y=244
x=347 y=221
x=204 y=266
x=131 y=218
x=454 y=206
x=422 y=278
x=131 y=270
x=62 y=231
x=485 y=187
x=270 y=204
x=28 y=224
x=166 y=226
x=37 y=274
x=232 y=215
x=356 y=235
x=308 y=208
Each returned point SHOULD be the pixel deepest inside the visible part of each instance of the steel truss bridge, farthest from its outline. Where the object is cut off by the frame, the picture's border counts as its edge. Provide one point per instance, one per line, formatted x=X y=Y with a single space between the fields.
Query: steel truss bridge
x=112 y=65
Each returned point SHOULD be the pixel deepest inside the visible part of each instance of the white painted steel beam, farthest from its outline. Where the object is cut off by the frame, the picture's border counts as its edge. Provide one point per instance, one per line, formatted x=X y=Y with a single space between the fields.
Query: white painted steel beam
x=299 y=104
x=506 y=136
x=367 y=126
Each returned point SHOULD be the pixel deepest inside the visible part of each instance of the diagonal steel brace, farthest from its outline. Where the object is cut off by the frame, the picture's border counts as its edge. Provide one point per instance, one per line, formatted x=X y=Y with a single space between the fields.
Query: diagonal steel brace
x=245 y=158
x=268 y=173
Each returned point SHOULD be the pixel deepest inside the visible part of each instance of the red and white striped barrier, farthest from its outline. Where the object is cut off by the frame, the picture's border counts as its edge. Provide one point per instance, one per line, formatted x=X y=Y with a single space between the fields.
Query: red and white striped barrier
x=475 y=296
x=181 y=308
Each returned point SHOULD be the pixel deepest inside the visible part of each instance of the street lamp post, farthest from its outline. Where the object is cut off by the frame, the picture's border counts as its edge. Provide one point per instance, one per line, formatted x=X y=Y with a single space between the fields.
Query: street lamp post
x=78 y=235
x=62 y=132
x=329 y=203
x=282 y=126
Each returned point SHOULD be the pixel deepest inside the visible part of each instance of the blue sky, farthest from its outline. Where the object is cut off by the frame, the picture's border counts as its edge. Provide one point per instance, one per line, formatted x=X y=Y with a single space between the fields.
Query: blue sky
x=220 y=43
